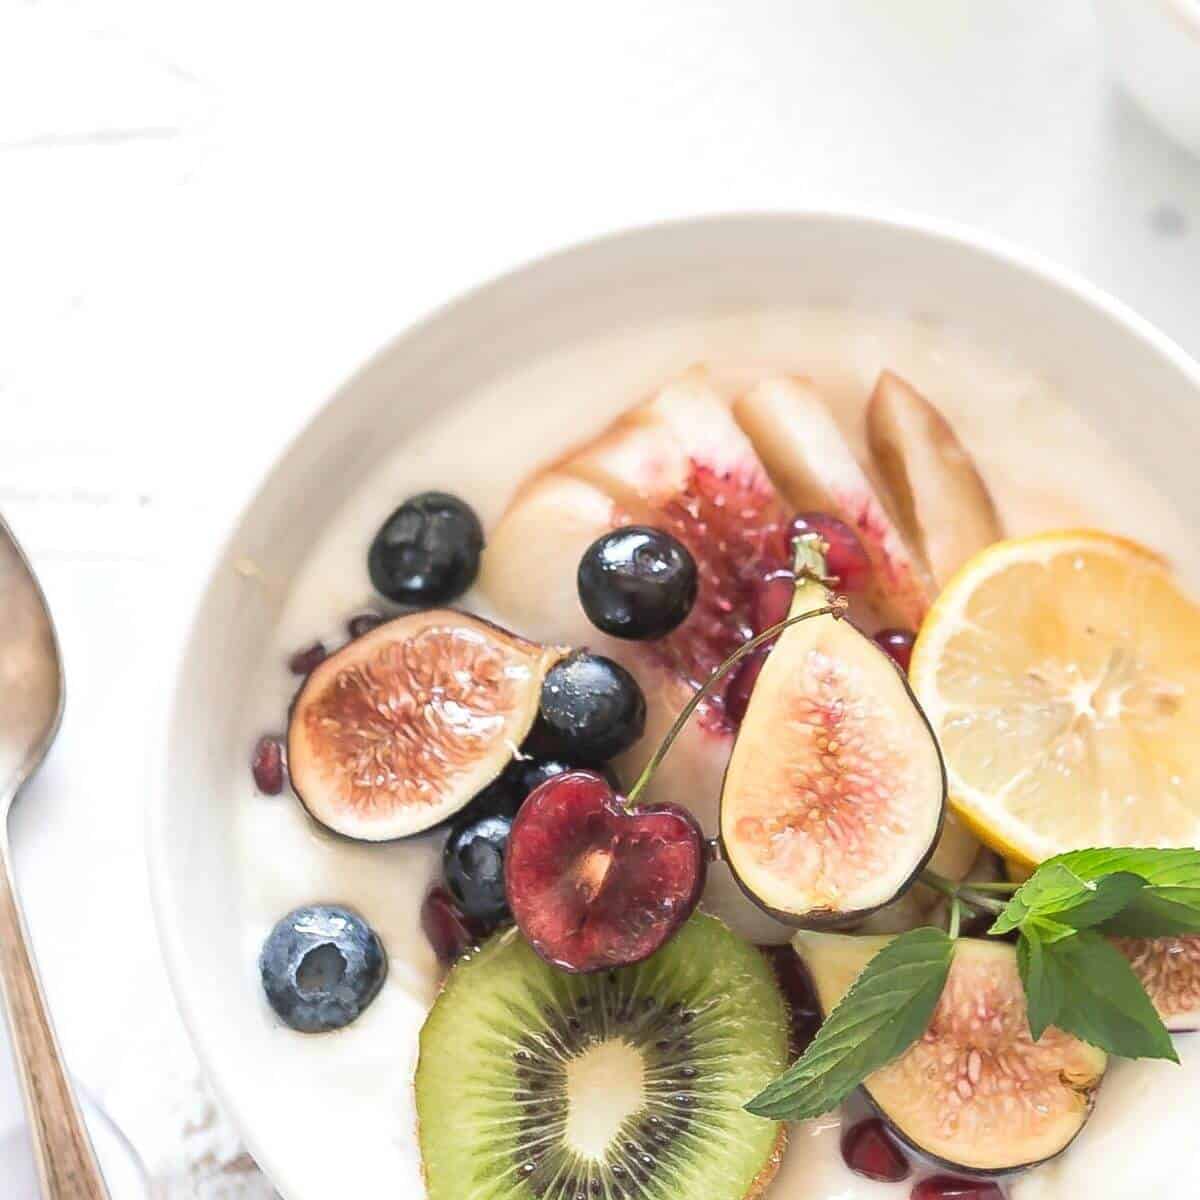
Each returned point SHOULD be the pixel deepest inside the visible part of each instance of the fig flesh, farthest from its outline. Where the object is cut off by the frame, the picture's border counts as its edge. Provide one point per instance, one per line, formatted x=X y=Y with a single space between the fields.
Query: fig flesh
x=835 y=791
x=975 y=1092
x=403 y=726
x=1169 y=970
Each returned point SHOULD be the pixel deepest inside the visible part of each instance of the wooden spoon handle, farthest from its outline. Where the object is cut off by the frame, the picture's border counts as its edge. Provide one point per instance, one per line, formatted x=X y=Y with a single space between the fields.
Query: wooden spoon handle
x=66 y=1162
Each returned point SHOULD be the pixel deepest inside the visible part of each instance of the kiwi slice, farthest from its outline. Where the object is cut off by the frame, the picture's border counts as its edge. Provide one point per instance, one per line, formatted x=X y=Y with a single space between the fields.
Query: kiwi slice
x=624 y=1084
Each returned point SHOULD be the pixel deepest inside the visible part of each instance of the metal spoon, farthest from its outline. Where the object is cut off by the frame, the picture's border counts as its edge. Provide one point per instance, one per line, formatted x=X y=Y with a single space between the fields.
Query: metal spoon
x=31 y=703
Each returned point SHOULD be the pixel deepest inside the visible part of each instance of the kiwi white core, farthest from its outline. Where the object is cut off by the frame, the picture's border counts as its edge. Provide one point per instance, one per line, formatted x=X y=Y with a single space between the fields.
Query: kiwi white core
x=605 y=1087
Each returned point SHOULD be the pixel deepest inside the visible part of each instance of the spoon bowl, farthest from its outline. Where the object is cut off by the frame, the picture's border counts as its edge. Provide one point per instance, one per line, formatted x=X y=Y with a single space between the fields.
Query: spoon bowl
x=32 y=688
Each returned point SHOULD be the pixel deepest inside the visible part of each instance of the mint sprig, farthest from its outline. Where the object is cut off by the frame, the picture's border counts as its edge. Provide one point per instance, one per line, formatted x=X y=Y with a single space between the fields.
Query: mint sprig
x=886 y=1009
x=1073 y=976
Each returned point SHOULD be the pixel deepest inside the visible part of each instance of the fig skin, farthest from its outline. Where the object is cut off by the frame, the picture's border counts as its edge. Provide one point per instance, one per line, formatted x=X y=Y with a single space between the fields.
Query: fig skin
x=317 y=777
x=812 y=595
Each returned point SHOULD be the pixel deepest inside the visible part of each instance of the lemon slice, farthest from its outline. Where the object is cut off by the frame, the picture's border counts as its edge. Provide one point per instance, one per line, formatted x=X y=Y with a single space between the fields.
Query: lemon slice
x=1061 y=674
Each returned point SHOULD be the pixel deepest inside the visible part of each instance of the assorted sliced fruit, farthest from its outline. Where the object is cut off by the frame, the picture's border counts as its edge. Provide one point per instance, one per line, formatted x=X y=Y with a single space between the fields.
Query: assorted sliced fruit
x=597 y=1036
x=533 y=1082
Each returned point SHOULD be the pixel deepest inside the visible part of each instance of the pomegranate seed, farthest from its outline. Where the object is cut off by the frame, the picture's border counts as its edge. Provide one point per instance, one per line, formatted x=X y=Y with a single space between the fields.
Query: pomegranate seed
x=772 y=599
x=868 y=1149
x=947 y=1187
x=899 y=644
x=304 y=661
x=363 y=623
x=737 y=694
x=846 y=558
x=797 y=990
x=267 y=765
x=449 y=931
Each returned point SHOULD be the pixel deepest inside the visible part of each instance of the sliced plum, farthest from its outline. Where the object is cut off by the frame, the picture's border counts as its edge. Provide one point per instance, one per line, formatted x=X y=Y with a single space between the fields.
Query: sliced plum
x=403 y=726
x=835 y=792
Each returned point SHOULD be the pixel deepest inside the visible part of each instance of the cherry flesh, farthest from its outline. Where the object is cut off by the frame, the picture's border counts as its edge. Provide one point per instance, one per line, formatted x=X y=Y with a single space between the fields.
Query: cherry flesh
x=594 y=885
x=899 y=645
x=947 y=1187
x=846 y=560
x=868 y=1149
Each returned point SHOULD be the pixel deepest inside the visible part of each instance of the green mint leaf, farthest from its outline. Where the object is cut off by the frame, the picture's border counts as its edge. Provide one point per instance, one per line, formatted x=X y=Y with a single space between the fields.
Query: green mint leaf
x=1055 y=891
x=1043 y=988
x=1165 y=868
x=1158 y=912
x=1099 y=997
x=886 y=1009
x=1169 y=906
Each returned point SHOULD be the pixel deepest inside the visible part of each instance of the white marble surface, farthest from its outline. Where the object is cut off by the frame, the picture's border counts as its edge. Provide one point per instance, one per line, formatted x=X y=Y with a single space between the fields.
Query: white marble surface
x=210 y=213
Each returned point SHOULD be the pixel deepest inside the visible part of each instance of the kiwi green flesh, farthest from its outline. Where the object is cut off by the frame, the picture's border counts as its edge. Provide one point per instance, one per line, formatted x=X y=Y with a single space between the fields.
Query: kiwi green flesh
x=834 y=797
x=536 y=1083
x=975 y=1093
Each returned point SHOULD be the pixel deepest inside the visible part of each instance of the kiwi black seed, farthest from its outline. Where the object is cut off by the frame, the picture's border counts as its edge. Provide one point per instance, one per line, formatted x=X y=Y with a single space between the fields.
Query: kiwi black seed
x=625 y=1085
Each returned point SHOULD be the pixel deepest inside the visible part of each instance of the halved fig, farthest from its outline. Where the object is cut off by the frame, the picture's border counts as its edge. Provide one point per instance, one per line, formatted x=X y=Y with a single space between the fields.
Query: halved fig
x=402 y=727
x=1169 y=970
x=835 y=791
x=975 y=1092
x=806 y=454
x=939 y=498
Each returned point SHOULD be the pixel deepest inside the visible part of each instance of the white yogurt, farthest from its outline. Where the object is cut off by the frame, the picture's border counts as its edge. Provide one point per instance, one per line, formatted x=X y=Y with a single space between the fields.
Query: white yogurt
x=1045 y=467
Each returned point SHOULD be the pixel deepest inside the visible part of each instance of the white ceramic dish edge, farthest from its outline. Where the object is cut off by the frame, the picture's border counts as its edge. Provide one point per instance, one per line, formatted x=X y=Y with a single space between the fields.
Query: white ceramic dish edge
x=865 y=254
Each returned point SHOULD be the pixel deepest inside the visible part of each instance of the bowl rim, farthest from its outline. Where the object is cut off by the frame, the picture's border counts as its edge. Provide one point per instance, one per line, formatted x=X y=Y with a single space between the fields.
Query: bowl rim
x=957 y=236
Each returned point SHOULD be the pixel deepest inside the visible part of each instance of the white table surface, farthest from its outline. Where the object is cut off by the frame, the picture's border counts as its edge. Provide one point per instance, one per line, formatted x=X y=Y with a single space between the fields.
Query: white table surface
x=210 y=213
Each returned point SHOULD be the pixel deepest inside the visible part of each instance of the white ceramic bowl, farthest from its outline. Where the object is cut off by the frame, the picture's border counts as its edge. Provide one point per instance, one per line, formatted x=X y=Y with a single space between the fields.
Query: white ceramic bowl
x=1133 y=383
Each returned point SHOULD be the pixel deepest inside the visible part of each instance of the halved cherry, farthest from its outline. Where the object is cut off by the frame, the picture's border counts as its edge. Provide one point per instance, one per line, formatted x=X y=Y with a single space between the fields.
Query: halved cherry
x=593 y=884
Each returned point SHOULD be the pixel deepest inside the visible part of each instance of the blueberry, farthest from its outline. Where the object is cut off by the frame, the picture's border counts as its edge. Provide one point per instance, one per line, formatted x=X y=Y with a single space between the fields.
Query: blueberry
x=321 y=966
x=592 y=707
x=501 y=797
x=427 y=551
x=525 y=774
x=473 y=865
x=637 y=582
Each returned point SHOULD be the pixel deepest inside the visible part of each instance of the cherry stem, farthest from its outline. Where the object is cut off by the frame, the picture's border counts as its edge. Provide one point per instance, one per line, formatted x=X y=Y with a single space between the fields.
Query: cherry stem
x=836 y=608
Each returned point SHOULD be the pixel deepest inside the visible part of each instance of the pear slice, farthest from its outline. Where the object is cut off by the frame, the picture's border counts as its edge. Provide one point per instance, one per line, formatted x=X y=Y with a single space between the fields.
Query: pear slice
x=835 y=791
x=939 y=498
x=975 y=1092
x=806 y=454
